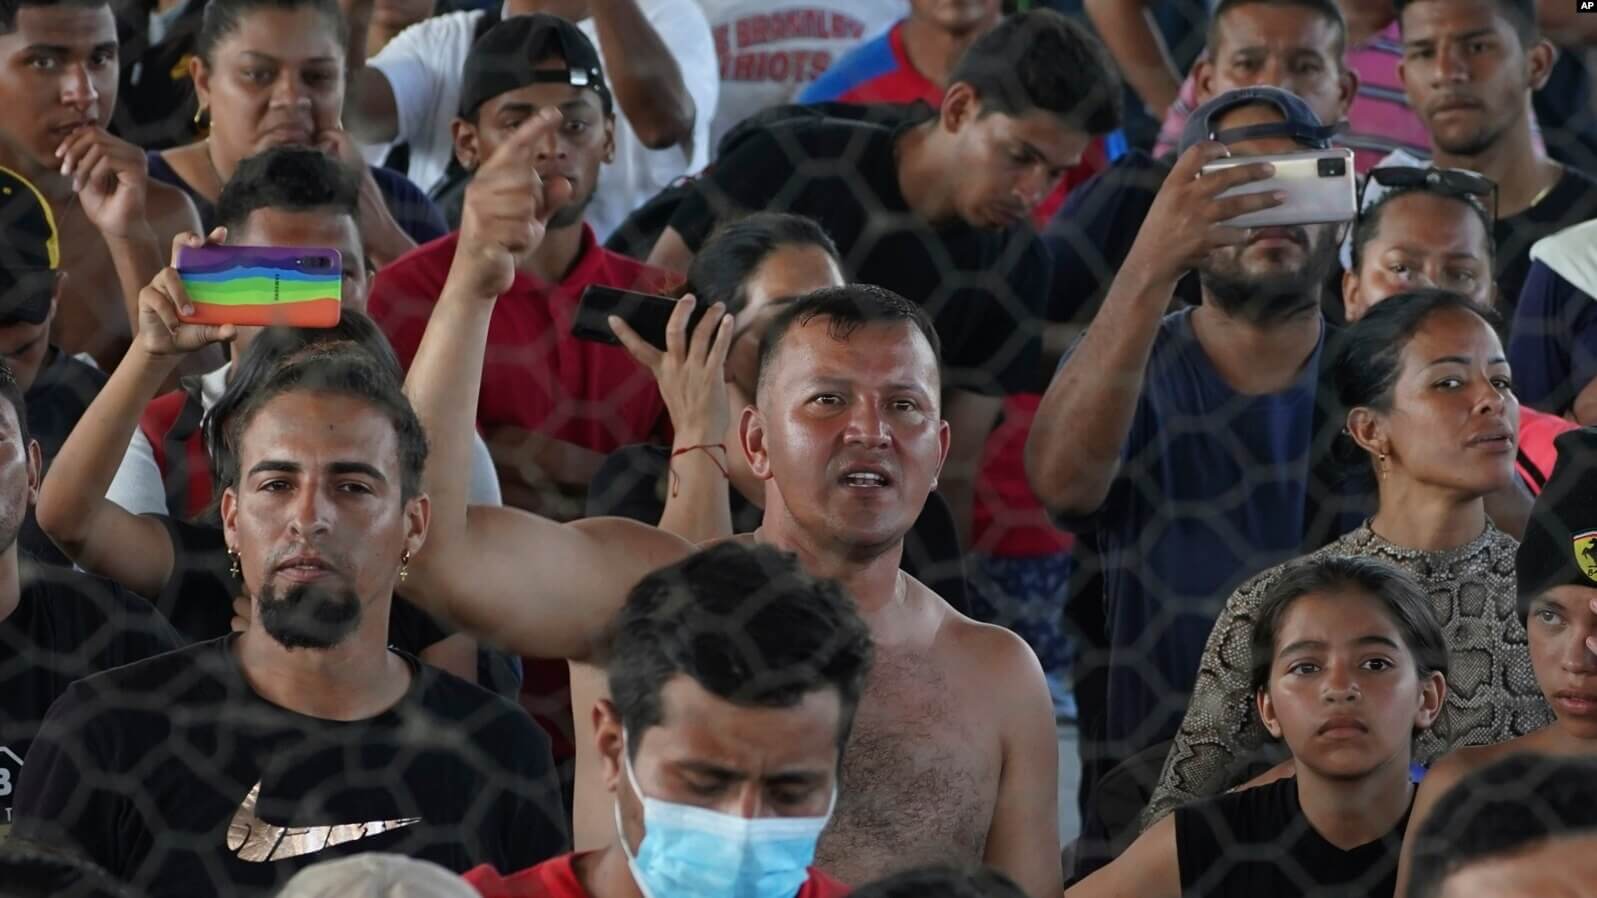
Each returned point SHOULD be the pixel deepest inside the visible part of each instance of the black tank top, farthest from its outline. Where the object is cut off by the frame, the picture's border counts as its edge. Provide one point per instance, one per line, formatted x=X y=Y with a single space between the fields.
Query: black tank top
x=1257 y=843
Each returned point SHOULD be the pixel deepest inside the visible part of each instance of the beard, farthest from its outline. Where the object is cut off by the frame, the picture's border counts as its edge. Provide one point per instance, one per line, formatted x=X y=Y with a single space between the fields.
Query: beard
x=1279 y=294
x=309 y=616
x=572 y=212
x=1468 y=145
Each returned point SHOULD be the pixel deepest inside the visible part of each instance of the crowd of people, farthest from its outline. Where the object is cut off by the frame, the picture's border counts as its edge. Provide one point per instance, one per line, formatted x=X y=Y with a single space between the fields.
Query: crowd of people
x=976 y=419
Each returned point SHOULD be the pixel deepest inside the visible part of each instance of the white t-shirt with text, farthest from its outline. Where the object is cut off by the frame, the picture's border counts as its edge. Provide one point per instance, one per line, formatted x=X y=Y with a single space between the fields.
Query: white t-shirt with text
x=769 y=51
x=424 y=65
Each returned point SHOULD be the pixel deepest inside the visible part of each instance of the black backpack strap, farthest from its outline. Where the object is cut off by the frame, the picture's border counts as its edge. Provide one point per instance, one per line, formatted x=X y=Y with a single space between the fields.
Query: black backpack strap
x=175 y=448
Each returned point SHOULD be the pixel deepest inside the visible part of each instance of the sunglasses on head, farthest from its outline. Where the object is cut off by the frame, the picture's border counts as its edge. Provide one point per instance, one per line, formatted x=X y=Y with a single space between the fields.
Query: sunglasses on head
x=1454 y=182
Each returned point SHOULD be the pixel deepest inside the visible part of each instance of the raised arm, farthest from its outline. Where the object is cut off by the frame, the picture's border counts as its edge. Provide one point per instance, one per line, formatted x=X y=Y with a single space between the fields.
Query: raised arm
x=691 y=373
x=371 y=112
x=1128 y=31
x=97 y=534
x=644 y=76
x=1220 y=723
x=1070 y=464
x=512 y=578
x=136 y=218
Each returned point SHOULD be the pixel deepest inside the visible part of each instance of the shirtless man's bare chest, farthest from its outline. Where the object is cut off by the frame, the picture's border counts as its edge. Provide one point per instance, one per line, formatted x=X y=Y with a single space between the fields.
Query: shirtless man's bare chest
x=921 y=770
x=91 y=316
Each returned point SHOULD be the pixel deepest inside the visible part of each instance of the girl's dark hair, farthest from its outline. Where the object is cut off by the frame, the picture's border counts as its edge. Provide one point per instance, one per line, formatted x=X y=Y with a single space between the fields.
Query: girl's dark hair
x=222 y=18
x=276 y=347
x=721 y=270
x=1400 y=596
x=1368 y=224
x=1369 y=357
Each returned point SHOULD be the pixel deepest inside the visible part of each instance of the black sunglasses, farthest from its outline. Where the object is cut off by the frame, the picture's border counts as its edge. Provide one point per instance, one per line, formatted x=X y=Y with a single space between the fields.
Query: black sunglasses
x=1454 y=182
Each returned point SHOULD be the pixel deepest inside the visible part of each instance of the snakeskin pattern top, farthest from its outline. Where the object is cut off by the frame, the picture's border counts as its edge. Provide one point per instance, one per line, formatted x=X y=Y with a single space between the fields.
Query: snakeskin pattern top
x=1492 y=693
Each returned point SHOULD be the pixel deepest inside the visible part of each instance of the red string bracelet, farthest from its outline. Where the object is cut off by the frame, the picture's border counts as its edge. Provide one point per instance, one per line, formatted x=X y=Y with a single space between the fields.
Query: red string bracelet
x=676 y=481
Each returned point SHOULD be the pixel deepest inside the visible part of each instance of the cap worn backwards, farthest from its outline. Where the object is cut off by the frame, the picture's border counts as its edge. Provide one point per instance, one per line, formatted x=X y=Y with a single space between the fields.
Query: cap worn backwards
x=507 y=57
x=1299 y=122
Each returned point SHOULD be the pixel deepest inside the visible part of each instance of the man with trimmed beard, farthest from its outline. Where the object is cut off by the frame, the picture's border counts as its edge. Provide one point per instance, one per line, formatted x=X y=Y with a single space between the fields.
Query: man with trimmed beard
x=226 y=767
x=1183 y=442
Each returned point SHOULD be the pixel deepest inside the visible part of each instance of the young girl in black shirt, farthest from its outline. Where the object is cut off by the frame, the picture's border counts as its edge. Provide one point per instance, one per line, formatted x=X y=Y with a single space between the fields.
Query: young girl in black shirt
x=1349 y=662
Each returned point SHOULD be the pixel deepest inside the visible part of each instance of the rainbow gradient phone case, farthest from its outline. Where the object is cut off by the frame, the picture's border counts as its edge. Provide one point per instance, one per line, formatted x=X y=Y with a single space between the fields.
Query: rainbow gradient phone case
x=261 y=286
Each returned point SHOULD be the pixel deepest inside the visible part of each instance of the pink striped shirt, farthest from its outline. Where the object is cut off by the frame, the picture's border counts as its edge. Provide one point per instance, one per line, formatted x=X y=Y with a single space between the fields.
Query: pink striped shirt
x=1379 y=120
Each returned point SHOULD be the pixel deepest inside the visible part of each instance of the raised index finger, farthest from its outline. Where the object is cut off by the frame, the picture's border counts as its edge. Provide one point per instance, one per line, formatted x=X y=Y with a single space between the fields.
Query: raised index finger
x=522 y=144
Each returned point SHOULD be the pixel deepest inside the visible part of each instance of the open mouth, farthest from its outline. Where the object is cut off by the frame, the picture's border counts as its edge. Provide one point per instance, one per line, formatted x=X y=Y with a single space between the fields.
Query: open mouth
x=304 y=567
x=865 y=478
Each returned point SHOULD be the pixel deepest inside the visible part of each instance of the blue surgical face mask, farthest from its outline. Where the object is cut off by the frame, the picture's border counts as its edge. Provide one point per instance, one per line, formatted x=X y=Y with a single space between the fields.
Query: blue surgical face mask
x=692 y=852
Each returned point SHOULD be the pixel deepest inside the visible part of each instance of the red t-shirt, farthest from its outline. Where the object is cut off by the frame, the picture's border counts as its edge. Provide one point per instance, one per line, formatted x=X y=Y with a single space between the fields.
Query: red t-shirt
x=1008 y=521
x=1537 y=430
x=537 y=376
x=557 y=878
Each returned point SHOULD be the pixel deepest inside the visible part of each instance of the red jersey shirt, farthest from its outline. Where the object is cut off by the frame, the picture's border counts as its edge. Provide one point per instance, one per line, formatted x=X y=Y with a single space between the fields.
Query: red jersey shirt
x=557 y=878
x=537 y=376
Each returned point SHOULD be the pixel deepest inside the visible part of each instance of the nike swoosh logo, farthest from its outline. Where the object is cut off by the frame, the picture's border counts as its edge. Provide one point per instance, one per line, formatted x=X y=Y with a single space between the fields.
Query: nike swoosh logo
x=254 y=840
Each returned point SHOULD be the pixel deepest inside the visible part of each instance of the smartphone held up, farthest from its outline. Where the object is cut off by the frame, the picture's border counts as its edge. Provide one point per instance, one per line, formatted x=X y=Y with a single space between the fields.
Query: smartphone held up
x=1319 y=186
x=647 y=315
x=262 y=286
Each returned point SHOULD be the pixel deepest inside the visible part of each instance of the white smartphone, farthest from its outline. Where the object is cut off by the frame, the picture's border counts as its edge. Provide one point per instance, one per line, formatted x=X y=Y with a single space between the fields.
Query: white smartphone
x=1319 y=185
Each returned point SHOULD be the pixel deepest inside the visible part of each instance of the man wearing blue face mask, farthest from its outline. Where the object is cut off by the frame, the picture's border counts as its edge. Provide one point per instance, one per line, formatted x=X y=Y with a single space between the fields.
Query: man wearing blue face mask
x=734 y=678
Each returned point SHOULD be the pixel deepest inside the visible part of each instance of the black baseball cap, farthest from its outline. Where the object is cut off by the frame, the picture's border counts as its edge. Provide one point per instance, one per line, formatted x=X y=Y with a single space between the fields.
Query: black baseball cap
x=1299 y=121
x=1560 y=545
x=30 y=251
x=507 y=55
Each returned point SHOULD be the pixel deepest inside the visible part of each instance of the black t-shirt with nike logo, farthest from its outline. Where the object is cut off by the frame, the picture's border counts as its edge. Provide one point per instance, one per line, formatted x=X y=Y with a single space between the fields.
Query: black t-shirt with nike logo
x=178 y=778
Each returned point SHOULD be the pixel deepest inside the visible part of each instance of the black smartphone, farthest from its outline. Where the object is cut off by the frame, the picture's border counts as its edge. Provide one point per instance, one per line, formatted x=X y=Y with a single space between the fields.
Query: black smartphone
x=645 y=313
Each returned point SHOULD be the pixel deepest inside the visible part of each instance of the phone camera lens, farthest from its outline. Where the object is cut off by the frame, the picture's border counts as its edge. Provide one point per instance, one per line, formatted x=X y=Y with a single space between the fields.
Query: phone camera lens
x=1333 y=168
x=313 y=262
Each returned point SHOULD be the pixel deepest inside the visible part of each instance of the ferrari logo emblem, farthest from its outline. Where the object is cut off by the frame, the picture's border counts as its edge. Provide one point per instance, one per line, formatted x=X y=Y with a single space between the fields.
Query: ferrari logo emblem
x=1586 y=554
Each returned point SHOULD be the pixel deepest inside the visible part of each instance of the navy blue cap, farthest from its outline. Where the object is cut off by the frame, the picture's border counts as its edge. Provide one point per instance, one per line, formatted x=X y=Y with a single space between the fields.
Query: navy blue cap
x=1299 y=121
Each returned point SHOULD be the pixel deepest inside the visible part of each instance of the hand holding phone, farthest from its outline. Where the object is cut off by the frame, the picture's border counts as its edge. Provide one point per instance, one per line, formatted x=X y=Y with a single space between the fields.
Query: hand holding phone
x=163 y=303
x=1189 y=218
x=261 y=286
x=691 y=370
x=646 y=314
x=1318 y=186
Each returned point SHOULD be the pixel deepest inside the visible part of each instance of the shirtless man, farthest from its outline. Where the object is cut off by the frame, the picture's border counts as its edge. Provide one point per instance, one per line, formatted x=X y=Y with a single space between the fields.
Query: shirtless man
x=58 y=84
x=953 y=755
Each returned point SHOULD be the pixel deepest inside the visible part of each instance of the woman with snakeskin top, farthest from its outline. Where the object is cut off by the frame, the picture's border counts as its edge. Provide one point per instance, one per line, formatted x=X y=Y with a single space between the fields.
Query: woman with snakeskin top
x=1432 y=416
